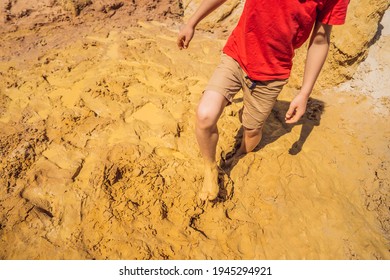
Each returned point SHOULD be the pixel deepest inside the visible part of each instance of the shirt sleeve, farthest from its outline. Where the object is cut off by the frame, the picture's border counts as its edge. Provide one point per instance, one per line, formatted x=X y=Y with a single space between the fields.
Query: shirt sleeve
x=333 y=12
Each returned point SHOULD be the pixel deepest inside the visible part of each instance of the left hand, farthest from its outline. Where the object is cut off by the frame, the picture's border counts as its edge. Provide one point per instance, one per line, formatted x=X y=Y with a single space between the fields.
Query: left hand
x=297 y=109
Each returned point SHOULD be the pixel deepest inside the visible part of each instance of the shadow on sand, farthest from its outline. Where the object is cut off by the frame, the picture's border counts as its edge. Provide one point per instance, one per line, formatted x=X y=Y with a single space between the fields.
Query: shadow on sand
x=274 y=128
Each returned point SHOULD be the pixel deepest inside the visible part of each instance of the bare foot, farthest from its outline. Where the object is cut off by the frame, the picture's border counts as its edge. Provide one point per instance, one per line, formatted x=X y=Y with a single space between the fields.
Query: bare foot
x=210 y=187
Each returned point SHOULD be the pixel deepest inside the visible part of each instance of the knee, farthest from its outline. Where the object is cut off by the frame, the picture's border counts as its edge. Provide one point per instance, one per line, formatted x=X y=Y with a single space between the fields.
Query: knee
x=205 y=118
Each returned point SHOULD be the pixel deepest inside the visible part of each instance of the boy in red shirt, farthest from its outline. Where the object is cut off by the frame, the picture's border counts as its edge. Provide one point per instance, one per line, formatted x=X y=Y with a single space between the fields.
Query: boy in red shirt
x=257 y=58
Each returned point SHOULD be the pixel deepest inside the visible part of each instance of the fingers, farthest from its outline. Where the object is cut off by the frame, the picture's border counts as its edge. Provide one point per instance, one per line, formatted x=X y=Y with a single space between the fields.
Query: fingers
x=186 y=42
x=181 y=38
x=293 y=114
x=185 y=35
x=294 y=119
x=297 y=109
x=182 y=42
x=290 y=114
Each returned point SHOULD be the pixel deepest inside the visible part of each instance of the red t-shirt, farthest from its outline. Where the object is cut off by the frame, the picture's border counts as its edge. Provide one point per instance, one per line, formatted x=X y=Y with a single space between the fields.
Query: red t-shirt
x=268 y=31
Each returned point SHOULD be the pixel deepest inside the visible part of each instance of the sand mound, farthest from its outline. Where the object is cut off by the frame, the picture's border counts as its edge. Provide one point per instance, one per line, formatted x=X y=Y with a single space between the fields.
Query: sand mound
x=99 y=158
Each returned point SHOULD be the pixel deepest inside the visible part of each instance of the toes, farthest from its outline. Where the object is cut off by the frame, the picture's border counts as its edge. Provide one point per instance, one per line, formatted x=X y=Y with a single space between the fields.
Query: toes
x=208 y=194
x=203 y=195
x=213 y=196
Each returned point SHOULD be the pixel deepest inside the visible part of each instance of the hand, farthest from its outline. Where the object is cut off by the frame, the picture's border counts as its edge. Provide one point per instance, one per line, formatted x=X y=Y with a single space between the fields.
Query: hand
x=297 y=109
x=185 y=36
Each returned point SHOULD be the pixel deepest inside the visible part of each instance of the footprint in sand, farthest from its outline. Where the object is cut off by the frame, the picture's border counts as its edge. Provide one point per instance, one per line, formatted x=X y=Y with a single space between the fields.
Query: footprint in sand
x=45 y=187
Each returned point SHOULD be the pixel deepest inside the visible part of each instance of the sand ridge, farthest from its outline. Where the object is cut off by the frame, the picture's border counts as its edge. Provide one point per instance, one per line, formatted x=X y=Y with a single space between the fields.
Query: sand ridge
x=99 y=158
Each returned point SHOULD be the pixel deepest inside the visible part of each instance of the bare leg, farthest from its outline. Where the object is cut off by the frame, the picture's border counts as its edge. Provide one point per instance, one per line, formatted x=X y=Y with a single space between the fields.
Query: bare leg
x=250 y=139
x=209 y=110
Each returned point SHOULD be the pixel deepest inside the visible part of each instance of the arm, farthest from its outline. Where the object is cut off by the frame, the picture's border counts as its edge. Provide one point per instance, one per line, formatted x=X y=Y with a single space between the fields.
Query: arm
x=187 y=32
x=316 y=55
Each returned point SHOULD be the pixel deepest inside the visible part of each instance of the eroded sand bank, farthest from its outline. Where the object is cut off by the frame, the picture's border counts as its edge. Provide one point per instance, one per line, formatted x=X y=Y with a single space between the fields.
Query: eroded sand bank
x=99 y=158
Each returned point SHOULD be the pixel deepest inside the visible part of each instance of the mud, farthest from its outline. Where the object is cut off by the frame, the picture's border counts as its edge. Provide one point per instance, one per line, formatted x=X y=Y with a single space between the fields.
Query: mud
x=99 y=158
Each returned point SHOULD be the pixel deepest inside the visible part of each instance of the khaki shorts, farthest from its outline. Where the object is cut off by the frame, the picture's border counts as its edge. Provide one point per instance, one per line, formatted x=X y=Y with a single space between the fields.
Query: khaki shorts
x=259 y=96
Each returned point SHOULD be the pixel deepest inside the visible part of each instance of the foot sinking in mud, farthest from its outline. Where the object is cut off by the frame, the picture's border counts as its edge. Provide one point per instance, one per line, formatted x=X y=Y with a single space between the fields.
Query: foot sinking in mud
x=210 y=188
x=212 y=174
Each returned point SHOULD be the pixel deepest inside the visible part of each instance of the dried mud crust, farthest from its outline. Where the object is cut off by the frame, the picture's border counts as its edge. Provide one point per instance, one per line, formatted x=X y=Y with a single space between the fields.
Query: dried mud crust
x=99 y=158
x=377 y=195
x=44 y=12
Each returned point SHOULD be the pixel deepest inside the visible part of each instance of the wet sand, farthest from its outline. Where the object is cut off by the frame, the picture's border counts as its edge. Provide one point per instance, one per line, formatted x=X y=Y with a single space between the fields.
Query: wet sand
x=99 y=159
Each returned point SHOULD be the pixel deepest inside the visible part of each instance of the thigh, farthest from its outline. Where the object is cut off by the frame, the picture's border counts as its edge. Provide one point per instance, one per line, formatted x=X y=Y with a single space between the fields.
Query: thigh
x=259 y=102
x=226 y=79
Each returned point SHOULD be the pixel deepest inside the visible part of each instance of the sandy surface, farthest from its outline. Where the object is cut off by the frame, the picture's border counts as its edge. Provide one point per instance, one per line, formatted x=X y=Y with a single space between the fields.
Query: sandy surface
x=98 y=157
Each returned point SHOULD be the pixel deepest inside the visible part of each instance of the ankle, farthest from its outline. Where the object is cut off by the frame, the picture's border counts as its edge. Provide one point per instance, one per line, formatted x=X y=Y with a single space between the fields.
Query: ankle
x=240 y=152
x=210 y=166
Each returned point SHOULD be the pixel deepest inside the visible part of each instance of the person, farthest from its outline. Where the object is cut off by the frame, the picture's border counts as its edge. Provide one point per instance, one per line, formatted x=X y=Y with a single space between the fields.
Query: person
x=257 y=58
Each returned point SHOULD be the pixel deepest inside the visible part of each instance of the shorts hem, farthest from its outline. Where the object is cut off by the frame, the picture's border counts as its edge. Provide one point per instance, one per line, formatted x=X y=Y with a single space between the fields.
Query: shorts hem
x=221 y=91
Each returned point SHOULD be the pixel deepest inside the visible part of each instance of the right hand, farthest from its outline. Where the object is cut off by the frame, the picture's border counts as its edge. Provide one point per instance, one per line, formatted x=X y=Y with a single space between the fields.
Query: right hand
x=185 y=36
